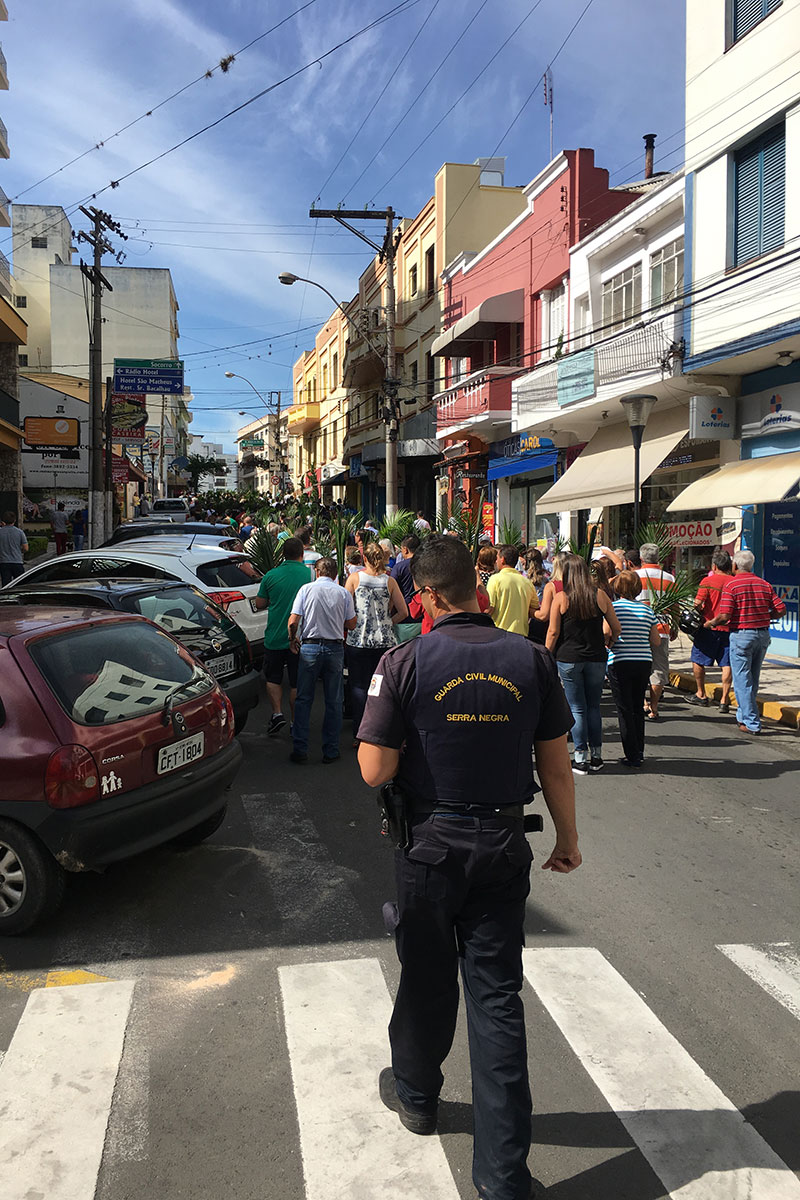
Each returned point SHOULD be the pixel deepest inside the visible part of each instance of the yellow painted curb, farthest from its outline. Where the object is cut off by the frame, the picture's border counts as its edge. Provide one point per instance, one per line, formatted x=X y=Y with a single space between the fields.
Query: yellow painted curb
x=773 y=710
x=70 y=978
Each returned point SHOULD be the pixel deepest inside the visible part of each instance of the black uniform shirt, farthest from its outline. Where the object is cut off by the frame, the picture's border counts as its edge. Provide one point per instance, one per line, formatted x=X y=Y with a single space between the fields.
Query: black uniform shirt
x=393 y=704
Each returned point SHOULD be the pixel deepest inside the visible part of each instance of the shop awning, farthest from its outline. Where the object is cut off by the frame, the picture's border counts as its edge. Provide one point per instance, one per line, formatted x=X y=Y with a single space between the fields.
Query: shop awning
x=602 y=474
x=753 y=481
x=480 y=324
x=505 y=468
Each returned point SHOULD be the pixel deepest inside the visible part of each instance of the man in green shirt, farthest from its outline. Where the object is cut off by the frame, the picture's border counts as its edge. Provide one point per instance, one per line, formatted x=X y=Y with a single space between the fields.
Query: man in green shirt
x=277 y=592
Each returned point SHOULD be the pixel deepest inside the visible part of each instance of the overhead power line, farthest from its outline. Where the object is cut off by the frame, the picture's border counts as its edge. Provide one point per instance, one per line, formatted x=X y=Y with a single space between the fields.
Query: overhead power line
x=223 y=65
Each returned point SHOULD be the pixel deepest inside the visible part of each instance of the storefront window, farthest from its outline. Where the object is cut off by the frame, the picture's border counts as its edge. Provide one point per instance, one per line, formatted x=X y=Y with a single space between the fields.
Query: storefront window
x=523 y=511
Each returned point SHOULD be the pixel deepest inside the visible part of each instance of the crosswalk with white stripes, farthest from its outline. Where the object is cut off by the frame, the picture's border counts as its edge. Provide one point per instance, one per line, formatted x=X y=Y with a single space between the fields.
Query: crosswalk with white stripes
x=61 y=1071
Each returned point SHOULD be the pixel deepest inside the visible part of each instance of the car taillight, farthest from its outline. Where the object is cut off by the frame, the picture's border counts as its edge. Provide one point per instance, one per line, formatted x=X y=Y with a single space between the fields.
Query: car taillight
x=223 y=599
x=71 y=778
x=224 y=716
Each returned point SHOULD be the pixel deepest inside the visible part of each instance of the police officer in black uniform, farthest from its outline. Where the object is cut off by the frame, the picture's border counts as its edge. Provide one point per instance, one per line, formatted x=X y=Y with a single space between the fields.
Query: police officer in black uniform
x=452 y=718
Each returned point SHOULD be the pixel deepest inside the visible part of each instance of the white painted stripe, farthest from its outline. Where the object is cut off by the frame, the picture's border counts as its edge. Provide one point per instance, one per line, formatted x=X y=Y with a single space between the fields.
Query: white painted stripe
x=336 y=1018
x=775 y=968
x=56 y=1087
x=695 y=1139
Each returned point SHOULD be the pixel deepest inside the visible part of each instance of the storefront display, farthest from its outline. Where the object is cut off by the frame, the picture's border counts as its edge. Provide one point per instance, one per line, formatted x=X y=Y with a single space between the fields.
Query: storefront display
x=522 y=469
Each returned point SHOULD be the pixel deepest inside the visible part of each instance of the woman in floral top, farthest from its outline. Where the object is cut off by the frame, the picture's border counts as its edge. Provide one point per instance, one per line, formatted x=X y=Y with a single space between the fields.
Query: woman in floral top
x=379 y=607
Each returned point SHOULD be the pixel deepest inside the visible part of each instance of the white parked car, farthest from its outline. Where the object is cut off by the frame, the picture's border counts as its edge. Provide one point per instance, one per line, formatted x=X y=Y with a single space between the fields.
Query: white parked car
x=230 y=579
x=170 y=506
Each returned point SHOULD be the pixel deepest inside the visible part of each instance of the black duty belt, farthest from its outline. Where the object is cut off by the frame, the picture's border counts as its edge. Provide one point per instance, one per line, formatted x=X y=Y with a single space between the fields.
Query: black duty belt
x=516 y=811
x=323 y=641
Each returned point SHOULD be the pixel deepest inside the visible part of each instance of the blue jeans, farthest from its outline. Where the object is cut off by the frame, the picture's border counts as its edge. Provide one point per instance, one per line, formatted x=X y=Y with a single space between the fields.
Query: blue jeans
x=323 y=661
x=583 y=684
x=748 y=647
x=78 y=539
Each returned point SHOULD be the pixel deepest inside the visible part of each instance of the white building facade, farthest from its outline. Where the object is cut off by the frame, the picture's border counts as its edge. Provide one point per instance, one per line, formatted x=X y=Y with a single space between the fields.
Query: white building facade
x=742 y=322
x=140 y=321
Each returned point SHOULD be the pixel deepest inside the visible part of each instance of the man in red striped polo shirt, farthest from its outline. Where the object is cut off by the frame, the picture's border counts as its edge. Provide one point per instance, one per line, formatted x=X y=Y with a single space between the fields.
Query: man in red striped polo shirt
x=748 y=604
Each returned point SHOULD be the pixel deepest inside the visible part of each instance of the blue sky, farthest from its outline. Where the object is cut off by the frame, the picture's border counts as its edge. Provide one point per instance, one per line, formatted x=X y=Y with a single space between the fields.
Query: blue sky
x=229 y=210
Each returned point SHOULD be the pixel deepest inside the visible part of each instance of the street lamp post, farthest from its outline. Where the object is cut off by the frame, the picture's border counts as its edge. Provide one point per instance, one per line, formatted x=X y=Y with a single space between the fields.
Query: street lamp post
x=638 y=407
x=276 y=412
x=390 y=383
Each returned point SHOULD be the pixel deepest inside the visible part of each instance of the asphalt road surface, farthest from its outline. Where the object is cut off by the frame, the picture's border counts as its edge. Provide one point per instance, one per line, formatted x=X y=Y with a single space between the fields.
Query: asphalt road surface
x=210 y=1023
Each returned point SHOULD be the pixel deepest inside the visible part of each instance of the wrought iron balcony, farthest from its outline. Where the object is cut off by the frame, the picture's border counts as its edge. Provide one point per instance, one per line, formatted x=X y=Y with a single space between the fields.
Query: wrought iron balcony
x=482 y=397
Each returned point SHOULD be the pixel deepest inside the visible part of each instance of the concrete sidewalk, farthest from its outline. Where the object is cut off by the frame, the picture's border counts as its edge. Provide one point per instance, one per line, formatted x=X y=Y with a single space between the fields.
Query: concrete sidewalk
x=778 y=695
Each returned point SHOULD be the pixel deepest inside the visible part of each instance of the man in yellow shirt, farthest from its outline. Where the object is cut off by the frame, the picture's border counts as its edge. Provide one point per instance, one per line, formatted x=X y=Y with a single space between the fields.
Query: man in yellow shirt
x=512 y=597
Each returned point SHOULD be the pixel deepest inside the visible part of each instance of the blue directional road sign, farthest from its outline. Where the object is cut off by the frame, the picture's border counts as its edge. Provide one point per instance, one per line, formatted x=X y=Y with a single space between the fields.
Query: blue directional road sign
x=156 y=375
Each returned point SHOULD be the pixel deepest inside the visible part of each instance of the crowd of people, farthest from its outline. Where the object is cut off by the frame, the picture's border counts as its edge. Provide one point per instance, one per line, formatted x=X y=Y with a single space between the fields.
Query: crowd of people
x=601 y=619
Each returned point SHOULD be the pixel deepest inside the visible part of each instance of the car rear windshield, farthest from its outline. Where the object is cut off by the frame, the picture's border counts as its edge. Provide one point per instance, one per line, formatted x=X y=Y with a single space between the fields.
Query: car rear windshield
x=169 y=506
x=183 y=611
x=116 y=671
x=228 y=573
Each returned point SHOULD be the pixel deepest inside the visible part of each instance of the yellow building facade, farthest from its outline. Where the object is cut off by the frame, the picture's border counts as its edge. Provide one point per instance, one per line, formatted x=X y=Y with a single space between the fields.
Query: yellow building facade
x=337 y=420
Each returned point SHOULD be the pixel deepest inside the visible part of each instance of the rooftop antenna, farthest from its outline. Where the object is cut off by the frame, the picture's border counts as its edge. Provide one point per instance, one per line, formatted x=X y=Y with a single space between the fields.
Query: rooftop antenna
x=547 y=79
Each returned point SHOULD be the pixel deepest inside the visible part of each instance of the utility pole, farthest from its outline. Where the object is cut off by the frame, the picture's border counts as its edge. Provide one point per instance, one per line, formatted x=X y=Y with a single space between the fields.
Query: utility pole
x=385 y=252
x=278 y=450
x=101 y=221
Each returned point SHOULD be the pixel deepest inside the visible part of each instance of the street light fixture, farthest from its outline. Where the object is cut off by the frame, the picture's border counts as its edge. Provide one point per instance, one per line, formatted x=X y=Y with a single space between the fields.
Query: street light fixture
x=638 y=407
x=390 y=383
x=270 y=412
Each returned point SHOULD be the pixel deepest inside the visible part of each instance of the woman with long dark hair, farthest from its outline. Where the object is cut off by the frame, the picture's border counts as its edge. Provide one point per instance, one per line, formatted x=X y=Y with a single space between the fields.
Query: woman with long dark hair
x=582 y=624
x=380 y=606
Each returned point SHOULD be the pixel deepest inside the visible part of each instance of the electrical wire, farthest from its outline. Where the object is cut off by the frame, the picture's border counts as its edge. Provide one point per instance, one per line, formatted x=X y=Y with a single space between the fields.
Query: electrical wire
x=378 y=99
x=420 y=93
x=227 y=60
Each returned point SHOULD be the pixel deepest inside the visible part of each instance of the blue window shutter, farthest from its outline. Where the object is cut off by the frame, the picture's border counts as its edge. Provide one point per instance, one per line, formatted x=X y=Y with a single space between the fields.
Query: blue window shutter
x=773 y=186
x=747 y=207
x=746 y=14
x=759 y=196
x=771 y=5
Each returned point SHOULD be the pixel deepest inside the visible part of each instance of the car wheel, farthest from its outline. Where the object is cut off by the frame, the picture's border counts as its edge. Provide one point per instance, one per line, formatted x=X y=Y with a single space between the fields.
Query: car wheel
x=31 y=881
x=199 y=833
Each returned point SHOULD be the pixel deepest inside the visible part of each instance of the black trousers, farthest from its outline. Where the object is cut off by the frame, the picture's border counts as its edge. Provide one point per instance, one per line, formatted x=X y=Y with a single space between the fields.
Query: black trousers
x=461 y=897
x=361 y=664
x=629 y=682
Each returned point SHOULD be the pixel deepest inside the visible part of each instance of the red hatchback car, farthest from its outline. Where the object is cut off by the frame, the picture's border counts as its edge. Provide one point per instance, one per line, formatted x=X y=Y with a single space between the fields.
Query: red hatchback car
x=113 y=740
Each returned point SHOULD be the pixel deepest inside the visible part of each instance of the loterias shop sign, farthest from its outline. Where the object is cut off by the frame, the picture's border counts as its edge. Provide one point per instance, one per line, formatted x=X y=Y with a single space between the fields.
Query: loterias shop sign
x=771 y=412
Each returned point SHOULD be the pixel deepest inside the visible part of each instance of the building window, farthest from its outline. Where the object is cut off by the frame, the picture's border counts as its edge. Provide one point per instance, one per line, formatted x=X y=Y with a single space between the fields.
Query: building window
x=759 y=179
x=412 y=281
x=555 y=332
x=21 y=301
x=22 y=360
x=324 y=380
x=622 y=297
x=430 y=365
x=335 y=373
x=39 y=243
x=666 y=273
x=430 y=270
x=459 y=369
x=582 y=323
x=413 y=377
x=746 y=14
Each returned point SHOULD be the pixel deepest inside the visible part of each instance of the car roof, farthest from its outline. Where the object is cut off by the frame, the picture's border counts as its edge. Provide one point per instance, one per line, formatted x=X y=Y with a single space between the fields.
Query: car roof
x=40 y=618
x=154 y=549
x=122 y=586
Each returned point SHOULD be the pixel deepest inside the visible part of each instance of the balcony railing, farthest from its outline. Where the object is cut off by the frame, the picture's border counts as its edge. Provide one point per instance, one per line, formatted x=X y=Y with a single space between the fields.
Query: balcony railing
x=4 y=152
x=302 y=417
x=643 y=351
x=481 y=393
x=3 y=71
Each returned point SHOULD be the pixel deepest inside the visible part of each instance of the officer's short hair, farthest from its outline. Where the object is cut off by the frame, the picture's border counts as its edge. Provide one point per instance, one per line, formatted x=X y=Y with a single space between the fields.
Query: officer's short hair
x=445 y=564
x=509 y=555
x=744 y=560
x=326 y=566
